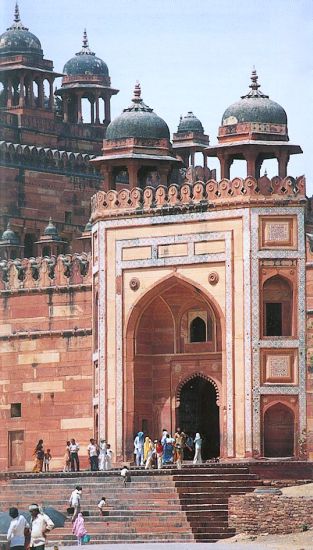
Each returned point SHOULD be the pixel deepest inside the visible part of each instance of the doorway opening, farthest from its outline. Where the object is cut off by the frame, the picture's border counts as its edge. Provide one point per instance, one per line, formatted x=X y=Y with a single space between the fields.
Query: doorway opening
x=198 y=412
x=278 y=431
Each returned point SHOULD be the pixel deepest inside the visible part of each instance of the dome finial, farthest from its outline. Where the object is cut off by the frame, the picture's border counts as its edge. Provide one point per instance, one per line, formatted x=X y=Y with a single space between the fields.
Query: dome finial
x=17 y=23
x=137 y=92
x=85 y=46
x=85 y=39
x=254 y=92
x=17 y=14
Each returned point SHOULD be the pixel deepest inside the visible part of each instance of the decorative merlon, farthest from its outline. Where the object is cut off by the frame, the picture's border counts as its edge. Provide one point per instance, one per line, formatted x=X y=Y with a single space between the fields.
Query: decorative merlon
x=199 y=195
x=62 y=271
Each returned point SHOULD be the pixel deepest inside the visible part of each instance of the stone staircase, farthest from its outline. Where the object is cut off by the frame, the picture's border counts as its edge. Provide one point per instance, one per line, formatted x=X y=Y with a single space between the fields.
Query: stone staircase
x=167 y=505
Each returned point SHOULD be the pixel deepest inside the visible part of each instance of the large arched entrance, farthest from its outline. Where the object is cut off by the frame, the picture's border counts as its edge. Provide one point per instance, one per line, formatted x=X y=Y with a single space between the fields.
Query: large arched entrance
x=174 y=332
x=278 y=431
x=198 y=412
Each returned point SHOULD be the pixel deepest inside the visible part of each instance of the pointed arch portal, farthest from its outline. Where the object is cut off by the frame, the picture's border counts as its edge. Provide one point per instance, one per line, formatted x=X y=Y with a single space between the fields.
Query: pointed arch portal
x=163 y=380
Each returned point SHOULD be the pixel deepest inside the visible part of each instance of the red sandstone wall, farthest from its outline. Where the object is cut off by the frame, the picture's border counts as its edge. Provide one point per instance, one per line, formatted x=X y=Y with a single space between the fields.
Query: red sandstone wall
x=307 y=438
x=269 y=514
x=46 y=366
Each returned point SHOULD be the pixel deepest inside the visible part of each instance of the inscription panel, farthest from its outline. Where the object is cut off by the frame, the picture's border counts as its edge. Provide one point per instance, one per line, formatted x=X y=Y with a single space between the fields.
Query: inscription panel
x=278 y=232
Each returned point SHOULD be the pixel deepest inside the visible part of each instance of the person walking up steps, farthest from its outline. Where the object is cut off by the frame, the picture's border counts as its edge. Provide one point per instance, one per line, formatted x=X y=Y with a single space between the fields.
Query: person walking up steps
x=74 y=501
x=198 y=445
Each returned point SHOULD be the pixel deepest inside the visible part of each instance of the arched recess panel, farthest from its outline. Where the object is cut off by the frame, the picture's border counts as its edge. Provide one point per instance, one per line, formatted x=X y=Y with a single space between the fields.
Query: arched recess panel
x=278 y=431
x=277 y=307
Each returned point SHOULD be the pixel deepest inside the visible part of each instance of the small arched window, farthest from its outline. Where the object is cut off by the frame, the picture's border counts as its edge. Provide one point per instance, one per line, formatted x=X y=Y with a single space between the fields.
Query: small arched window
x=198 y=330
x=277 y=307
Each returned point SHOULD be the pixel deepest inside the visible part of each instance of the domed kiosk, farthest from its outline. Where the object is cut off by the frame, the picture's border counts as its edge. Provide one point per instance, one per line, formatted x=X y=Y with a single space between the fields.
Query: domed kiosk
x=137 y=150
x=86 y=76
x=254 y=129
x=190 y=139
x=23 y=67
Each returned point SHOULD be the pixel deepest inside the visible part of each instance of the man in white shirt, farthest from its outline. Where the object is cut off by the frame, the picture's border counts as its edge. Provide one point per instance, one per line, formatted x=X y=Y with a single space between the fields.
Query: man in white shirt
x=74 y=448
x=41 y=524
x=16 y=532
x=102 y=454
x=93 y=455
x=75 y=501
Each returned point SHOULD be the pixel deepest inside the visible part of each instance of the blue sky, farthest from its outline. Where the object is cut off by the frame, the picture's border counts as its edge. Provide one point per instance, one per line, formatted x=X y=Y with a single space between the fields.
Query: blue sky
x=190 y=55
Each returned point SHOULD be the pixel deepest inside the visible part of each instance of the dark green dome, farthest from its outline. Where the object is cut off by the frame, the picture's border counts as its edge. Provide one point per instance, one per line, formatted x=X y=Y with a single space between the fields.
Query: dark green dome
x=18 y=40
x=138 y=121
x=51 y=230
x=9 y=236
x=254 y=107
x=190 y=123
x=85 y=62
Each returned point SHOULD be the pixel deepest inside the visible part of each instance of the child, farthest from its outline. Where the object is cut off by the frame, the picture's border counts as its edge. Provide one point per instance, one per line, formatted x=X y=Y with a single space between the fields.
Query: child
x=125 y=475
x=102 y=505
x=159 y=453
x=108 y=464
x=79 y=529
x=46 y=460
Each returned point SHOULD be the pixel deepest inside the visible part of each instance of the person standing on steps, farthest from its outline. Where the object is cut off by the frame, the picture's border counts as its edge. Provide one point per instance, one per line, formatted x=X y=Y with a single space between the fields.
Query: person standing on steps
x=180 y=438
x=46 y=460
x=17 y=530
x=74 y=501
x=39 y=454
x=108 y=465
x=74 y=448
x=198 y=446
x=138 y=448
x=102 y=454
x=40 y=524
x=159 y=454
x=93 y=455
x=67 y=458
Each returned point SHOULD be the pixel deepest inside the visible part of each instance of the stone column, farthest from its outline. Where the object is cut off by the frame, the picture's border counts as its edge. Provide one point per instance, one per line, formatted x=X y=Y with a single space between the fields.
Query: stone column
x=9 y=93
x=251 y=163
x=225 y=163
x=133 y=174
x=205 y=160
x=51 y=102
x=283 y=159
x=31 y=92
x=79 y=109
x=22 y=91
x=41 y=98
x=192 y=159
x=92 y=110
x=65 y=108
x=97 y=121
x=107 y=109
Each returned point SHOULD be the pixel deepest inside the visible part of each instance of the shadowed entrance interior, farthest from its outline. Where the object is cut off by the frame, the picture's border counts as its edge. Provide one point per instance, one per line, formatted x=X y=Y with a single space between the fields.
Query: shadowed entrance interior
x=278 y=431
x=198 y=412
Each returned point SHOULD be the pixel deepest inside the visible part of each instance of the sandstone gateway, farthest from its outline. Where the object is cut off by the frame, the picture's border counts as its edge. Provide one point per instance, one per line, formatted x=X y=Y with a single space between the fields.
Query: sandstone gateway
x=178 y=298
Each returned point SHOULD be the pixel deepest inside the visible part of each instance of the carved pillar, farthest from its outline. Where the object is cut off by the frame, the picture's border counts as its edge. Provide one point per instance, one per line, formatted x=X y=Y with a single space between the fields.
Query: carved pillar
x=133 y=174
x=164 y=172
x=22 y=91
x=51 y=102
x=107 y=109
x=97 y=121
x=225 y=164
x=79 y=109
x=41 y=95
x=251 y=163
x=283 y=159
x=192 y=159
x=92 y=110
x=65 y=108
x=9 y=93
x=106 y=172
x=31 y=92
x=205 y=160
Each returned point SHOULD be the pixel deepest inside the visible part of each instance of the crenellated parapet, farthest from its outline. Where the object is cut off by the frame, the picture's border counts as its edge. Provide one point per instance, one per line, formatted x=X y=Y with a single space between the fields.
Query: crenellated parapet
x=46 y=158
x=199 y=195
x=45 y=272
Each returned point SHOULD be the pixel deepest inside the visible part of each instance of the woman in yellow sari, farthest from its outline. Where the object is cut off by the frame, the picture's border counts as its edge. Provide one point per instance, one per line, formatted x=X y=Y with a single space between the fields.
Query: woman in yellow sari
x=39 y=456
x=146 y=448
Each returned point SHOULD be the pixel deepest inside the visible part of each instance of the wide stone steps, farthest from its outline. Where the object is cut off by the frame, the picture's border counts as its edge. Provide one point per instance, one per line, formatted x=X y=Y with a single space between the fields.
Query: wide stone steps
x=167 y=505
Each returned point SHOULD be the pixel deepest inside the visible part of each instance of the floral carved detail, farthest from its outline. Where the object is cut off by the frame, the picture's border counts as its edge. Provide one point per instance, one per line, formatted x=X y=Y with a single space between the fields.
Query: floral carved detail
x=134 y=284
x=213 y=278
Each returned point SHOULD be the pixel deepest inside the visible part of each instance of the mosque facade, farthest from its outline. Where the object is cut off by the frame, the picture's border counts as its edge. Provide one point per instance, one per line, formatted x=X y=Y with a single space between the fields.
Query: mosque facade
x=138 y=290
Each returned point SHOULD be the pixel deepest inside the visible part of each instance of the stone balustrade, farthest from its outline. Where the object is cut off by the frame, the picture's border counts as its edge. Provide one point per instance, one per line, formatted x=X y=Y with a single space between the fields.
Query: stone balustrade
x=197 y=196
x=42 y=272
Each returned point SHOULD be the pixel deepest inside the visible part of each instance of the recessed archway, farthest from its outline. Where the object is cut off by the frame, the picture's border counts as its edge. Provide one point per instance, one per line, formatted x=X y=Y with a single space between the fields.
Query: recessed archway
x=157 y=359
x=279 y=431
